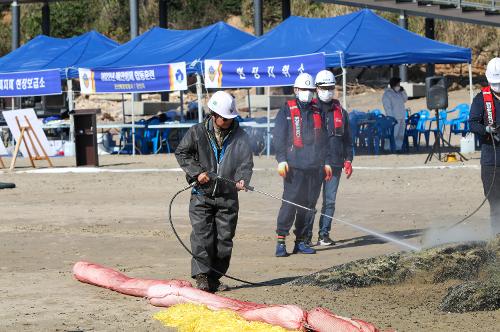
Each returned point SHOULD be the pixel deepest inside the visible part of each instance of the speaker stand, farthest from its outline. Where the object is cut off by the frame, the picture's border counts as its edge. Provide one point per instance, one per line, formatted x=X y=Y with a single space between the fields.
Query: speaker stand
x=436 y=147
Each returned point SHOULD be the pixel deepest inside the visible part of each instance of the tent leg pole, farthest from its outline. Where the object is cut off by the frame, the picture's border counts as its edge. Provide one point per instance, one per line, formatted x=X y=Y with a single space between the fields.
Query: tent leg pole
x=123 y=108
x=199 y=92
x=344 y=88
x=13 y=103
x=249 y=105
x=133 y=123
x=268 y=145
x=71 y=110
x=471 y=90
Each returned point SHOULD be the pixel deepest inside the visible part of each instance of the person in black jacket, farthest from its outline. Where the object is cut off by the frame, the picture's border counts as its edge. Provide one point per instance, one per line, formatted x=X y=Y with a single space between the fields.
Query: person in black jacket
x=298 y=139
x=484 y=120
x=216 y=146
x=339 y=152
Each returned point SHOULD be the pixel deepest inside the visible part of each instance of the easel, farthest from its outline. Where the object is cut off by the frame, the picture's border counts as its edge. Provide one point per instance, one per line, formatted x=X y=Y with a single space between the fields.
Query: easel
x=28 y=130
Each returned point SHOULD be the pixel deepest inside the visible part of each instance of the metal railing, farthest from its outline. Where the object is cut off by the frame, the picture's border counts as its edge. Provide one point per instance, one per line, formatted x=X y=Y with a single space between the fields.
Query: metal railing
x=487 y=5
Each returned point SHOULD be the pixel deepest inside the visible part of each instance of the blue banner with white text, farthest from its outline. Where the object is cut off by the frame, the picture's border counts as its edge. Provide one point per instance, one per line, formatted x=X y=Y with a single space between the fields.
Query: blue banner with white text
x=154 y=78
x=35 y=83
x=260 y=72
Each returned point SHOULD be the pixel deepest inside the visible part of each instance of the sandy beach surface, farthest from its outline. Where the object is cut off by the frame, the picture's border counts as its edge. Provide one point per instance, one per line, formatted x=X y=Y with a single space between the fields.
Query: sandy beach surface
x=116 y=216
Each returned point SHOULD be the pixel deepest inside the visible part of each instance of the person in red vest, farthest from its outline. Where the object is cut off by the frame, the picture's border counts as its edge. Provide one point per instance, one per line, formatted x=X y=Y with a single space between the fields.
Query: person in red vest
x=339 y=153
x=484 y=120
x=298 y=139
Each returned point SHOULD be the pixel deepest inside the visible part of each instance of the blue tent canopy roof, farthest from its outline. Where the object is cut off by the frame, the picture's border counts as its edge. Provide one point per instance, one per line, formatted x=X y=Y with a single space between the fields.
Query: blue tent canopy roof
x=43 y=52
x=159 y=46
x=363 y=38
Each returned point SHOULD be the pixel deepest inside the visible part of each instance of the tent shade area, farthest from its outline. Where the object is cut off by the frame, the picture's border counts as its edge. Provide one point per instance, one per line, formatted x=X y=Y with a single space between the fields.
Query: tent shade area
x=161 y=46
x=363 y=38
x=43 y=53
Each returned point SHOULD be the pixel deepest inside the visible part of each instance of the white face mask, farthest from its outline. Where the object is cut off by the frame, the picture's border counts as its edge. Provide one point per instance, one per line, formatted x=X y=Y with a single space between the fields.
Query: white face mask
x=305 y=96
x=325 y=95
x=397 y=88
x=495 y=87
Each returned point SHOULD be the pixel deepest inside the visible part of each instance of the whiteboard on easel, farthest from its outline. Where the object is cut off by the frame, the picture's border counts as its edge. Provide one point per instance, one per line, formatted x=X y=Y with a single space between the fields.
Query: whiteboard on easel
x=32 y=144
x=3 y=150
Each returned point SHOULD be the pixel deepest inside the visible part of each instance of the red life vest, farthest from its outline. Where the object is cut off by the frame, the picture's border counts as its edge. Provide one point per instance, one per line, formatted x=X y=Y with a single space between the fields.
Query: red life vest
x=338 y=119
x=489 y=106
x=296 y=119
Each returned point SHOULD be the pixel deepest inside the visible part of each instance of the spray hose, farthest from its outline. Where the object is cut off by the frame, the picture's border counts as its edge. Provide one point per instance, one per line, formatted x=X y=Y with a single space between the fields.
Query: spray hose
x=191 y=253
x=252 y=189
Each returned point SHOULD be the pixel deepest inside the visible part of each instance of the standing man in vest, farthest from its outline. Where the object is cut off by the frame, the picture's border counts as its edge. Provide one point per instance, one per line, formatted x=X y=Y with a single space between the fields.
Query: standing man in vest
x=394 y=100
x=220 y=146
x=484 y=120
x=338 y=151
x=298 y=138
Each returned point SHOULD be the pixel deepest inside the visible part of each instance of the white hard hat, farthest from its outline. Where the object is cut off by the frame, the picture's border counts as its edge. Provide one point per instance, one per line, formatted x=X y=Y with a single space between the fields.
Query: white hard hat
x=223 y=104
x=304 y=81
x=325 y=78
x=493 y=71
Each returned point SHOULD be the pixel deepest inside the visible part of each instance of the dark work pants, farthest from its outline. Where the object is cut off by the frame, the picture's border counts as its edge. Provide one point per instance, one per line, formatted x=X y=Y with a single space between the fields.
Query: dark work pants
x=302 y=187
x=494 y=197
x=213 y=221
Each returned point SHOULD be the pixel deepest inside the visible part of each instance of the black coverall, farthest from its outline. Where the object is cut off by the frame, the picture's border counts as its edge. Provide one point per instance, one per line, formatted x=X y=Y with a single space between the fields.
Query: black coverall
x=478 y=126
x=213 y=208
x=302 y=185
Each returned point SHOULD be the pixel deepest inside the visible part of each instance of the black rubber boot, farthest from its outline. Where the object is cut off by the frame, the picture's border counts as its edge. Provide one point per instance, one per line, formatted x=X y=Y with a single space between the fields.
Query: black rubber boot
x=202 y=282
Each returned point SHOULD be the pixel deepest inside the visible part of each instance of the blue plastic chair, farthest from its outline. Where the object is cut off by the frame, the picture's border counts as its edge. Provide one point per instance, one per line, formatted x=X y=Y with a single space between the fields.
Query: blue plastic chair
x=422 y=127
x=460 y=124
x=384 y=129
x=411 y=131
x=155 y=137
x=443 y=115
x=355 y=123
x=367 y=123
x=140 y=140
x=376 y=112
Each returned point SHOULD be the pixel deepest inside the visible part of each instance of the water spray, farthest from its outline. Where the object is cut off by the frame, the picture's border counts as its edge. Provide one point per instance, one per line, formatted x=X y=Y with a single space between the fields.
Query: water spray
x=382 y=236
x=431 y=239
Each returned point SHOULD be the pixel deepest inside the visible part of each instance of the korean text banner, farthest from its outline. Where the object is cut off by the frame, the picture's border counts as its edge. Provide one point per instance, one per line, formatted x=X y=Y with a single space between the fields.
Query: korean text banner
x=30 y=83
x=154 y=78
x=261 y=72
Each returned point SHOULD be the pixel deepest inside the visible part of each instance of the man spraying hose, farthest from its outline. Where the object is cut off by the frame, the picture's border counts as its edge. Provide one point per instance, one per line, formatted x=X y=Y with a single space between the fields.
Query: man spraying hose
x=484 y=120
x=298 y=139
x=220 y=146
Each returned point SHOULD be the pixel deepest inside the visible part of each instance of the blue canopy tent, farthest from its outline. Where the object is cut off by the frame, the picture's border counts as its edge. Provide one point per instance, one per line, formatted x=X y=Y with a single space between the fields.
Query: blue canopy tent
x=158 y=46
x=358 y=39
x=43 y=52
x=46 y=53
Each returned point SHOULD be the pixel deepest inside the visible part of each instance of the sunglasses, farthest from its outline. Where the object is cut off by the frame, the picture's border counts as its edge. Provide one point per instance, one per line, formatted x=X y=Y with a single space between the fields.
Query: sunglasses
x=217 y=116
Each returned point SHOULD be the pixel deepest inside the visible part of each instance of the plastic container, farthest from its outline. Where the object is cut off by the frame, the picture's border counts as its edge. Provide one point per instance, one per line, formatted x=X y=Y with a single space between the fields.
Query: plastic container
x=467 y=144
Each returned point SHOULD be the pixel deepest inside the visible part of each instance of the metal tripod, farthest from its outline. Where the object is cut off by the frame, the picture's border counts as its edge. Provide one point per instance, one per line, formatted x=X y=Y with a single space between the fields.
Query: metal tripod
x=436 y=147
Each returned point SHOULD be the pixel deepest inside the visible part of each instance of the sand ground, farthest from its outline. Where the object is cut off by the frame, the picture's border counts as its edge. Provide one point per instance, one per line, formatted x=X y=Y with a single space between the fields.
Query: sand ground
x=52 y=220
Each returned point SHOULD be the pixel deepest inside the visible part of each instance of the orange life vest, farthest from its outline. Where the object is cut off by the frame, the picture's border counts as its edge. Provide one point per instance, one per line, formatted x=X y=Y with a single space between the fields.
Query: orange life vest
x=296 y=119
